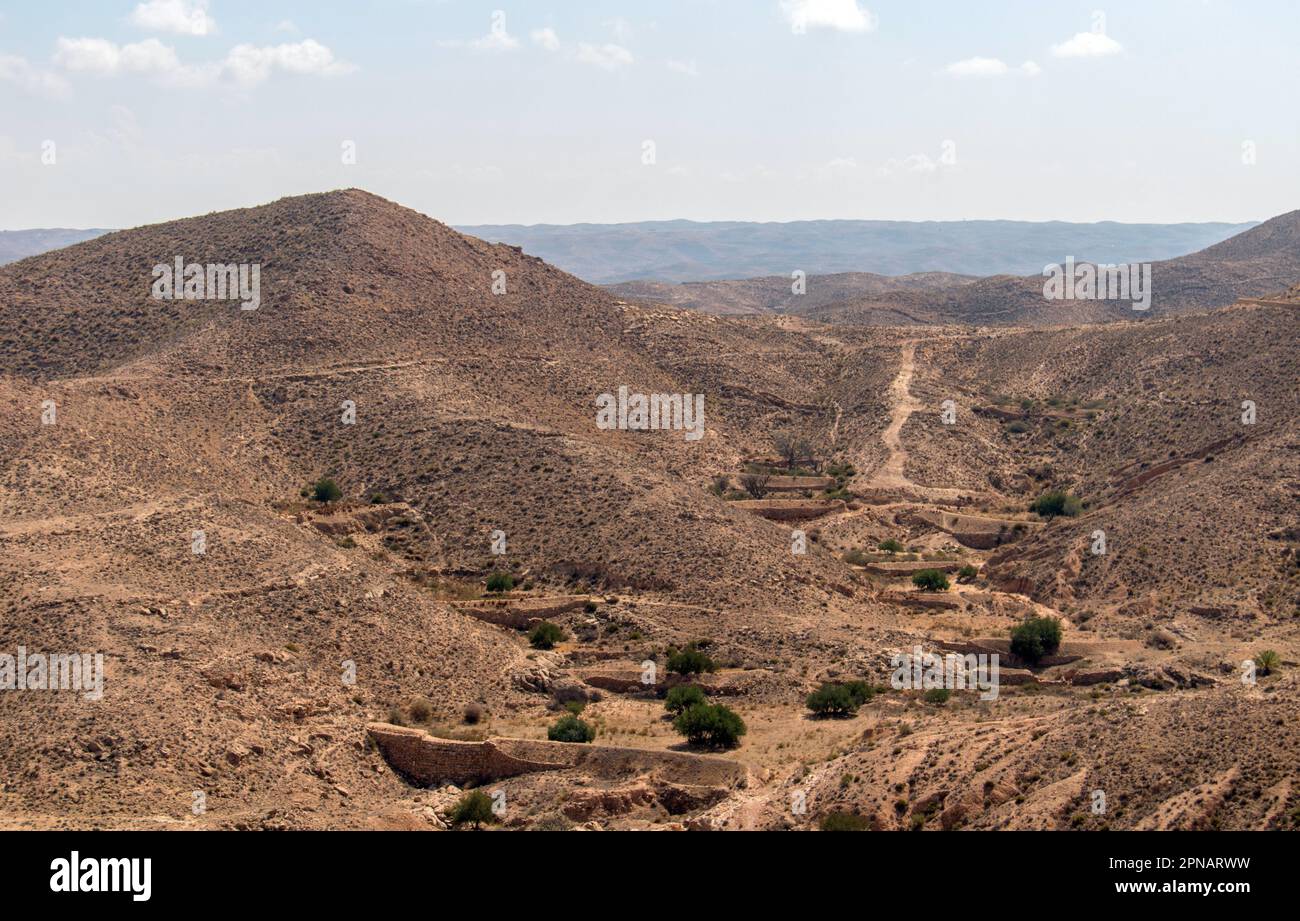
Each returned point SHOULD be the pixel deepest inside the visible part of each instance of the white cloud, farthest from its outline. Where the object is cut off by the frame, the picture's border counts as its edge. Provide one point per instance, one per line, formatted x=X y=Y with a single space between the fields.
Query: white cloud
x=184 y=17
x=989 y=67
x=19 y=72
x=843 y=15
x=249 y=65
x=546 y=38
x=102 y=57
x=686 y=68
x=245 y=65
x=916 y=163
x=1087 y=45
x=498 y=39
x=607 y=56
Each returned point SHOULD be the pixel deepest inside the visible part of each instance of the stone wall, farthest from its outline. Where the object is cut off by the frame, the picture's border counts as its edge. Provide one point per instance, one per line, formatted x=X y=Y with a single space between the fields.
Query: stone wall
x=428 y=761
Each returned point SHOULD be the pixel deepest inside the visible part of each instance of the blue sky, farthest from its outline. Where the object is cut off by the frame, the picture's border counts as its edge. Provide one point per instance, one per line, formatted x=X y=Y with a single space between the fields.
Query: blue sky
x=1155 y=110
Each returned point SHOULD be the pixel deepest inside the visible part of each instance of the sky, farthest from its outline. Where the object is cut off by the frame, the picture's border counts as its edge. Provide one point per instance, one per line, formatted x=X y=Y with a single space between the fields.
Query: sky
x=117 y=113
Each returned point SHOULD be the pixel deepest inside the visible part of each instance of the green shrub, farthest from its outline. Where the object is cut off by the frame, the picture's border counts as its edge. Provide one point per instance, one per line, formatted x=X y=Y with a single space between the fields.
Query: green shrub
x=1036 y=637
x=831 y=699
x=499 y=582
x=378 y=499
x=967 y=573
x=420 y=709
x=930 y=580
x=890 y=546
x=1056 y=502
x=1017 y=428
x=710 y=726
x=474 y=808
x=683 y=696
x=839 y=699
x=545 y=635
x=844 y=821
x=1267 y=662
x=326 y=490
x=569 y=728
x=690 y=661
x=937 y=696
x=855 y=558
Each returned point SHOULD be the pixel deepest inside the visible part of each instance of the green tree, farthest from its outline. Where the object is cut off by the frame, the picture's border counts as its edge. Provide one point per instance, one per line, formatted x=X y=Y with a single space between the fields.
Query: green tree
x=326 y=490
x=930 y=580
x=1035 y=637
x=710 y=726
x=1055 y=503
x=690 y=661
x=569 y=728
x=831 y=699
x=545 y=635
x=474 y=808
x=683 y=696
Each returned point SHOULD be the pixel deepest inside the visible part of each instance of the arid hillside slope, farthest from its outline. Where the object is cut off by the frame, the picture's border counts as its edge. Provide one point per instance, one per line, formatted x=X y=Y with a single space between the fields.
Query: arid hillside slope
x=156 y=506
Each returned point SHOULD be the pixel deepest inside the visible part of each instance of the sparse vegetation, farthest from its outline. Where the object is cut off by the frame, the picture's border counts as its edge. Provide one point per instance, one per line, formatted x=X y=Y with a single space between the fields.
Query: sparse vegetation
x=791 y=448
x=967 y=573
x=710 y=726
x=690 y=661
x=1056 y=503
x=473 y=714
x=420 y=709
x=326 y=490
x=835 y=699
x=754 y=484
x=1267 y=662
x=1036 y=637
x=474 y=808
x=569 y=728
x=937 y=696
x=545 y=635
x=844 y=821
x=930 y=580
x=498 y=582
x=890 y=546
x=684 y=696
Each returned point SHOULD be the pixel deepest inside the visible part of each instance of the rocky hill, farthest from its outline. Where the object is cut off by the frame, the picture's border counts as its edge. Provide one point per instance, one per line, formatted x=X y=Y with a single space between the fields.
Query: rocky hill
x=158 y=508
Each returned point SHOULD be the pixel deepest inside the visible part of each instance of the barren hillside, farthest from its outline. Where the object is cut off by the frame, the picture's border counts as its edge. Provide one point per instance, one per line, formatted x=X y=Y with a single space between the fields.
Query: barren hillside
x=157 y=462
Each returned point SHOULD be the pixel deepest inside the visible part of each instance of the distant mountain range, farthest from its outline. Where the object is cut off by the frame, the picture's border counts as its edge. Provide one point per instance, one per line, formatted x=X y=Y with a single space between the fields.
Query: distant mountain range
x=676 y=251
x=19 y=244
x=1256 y=263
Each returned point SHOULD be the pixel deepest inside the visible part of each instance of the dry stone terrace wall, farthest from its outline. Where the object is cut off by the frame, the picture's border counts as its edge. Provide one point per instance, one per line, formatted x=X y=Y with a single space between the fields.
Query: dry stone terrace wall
x=790 y=509
x=785 y=483
x=971 y=531
x=426 y=760
x=520 y=614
